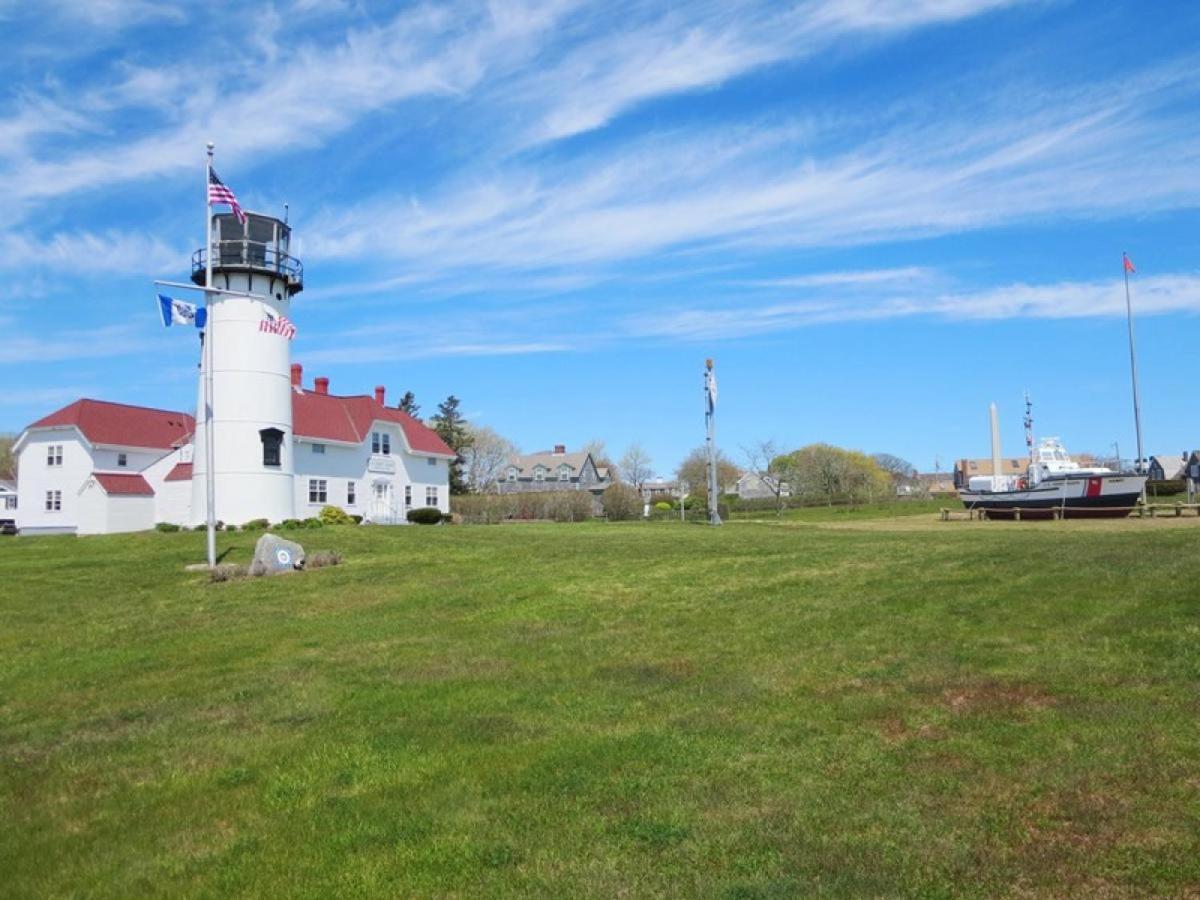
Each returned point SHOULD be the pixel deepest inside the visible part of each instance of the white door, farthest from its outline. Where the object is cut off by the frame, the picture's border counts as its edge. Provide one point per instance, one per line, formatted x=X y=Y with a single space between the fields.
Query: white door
x=381 y=502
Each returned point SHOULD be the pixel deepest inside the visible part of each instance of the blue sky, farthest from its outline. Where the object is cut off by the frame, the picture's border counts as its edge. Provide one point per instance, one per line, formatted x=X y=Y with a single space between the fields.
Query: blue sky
x=877 y=215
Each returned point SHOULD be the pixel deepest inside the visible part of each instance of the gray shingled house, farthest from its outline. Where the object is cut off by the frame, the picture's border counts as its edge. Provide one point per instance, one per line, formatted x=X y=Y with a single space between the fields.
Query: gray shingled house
x=553 y=470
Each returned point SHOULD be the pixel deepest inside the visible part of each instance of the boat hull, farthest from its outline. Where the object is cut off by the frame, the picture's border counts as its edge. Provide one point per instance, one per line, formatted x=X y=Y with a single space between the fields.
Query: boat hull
x=1091 y=497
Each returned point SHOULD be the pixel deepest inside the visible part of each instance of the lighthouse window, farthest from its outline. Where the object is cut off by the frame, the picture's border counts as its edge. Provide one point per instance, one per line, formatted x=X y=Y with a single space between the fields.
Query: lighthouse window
x=272 y=443
x=317 y=490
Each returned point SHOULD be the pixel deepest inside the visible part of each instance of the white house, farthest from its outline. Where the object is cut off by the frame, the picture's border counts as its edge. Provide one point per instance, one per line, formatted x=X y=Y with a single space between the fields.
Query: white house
x=95 y=467
x=8 y=502
x=752 y=486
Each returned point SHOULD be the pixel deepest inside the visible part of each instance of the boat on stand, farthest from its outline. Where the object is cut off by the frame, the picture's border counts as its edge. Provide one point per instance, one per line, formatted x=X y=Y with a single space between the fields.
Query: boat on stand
x=1053 y=486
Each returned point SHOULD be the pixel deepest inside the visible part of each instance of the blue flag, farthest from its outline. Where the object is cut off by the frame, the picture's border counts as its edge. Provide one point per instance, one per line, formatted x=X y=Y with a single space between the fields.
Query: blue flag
x=176 y=312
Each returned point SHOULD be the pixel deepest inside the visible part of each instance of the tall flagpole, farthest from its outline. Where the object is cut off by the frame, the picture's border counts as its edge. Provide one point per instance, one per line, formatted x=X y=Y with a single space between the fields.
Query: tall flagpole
x=209 y=479
x=710 y=421
x=1126 y=265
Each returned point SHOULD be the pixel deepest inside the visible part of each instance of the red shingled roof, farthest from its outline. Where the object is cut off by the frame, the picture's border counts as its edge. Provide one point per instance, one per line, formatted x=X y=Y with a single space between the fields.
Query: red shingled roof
x=349 y=419
x=134 y=485
x=121 y=425
x=181 y=472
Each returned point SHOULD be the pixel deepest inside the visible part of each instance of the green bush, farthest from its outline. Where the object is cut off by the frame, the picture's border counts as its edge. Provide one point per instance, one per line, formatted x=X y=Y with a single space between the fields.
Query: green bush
x=313 y=522
x=357 y=520
x=335 y=515
x=166 y=527
x=663 y=506
x=256 y=525
x=290 y=524
x=231 y=528
x=201 y=527
x=425 y=515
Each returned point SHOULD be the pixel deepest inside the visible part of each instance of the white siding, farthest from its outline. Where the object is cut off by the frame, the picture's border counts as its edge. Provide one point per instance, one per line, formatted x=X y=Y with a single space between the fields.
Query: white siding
x=36 y=478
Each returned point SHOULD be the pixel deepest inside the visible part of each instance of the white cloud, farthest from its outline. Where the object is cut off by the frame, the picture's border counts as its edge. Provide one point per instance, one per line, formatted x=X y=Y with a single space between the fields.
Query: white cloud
x=99 y=343
x=1154 y=295
x=90 y=253
x=373 y=352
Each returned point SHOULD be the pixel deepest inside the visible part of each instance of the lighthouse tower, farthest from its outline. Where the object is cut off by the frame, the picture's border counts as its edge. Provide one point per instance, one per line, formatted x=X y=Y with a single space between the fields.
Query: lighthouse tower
x=251 y=371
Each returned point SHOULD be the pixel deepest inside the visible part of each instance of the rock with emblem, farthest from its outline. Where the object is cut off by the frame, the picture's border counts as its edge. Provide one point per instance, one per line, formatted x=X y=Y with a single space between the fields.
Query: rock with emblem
x=274 y=556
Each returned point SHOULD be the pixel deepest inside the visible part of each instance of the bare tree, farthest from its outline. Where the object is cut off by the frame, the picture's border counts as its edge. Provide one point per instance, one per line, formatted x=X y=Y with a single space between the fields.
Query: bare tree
x=601 y=458
x=765 y=461
x=635 y=466
x=485 y=458
x=902 y=473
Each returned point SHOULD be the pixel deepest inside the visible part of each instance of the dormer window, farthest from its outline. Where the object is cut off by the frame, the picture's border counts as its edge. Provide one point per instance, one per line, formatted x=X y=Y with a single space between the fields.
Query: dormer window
x=539 y=473
x=272 y=444
x=381 y=442
x=512 y=473
x=564 y=473
x=122 y=460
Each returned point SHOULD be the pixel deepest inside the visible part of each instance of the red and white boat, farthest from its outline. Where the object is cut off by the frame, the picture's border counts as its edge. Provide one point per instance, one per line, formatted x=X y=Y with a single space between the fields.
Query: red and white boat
x=1055 y=485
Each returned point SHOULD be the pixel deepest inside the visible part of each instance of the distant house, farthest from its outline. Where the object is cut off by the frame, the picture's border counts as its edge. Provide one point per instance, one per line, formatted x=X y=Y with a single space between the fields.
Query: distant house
x=1167 y=466
x=8 y=502
x=1191 y=471
x=752 y=486
x=553 y=470
x=659 y=489
x=966 y=469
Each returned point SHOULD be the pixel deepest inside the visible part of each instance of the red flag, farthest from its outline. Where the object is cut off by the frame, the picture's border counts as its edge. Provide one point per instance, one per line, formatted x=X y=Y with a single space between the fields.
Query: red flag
x=1128 y=264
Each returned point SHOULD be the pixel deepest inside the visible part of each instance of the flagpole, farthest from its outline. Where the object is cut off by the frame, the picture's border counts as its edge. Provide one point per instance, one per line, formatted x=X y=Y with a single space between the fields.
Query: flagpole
x=710 y=415
x=1137 y=407
x=209 y=480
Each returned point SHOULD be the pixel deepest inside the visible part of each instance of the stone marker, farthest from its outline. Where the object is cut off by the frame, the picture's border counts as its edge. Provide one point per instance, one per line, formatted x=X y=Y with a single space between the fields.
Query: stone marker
x=273 y=556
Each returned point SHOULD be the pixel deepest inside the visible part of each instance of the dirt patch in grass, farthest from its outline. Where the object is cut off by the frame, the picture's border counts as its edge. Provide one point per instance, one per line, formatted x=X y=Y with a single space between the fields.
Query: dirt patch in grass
x=896 y=731
x=995 y=697
x=670 y=671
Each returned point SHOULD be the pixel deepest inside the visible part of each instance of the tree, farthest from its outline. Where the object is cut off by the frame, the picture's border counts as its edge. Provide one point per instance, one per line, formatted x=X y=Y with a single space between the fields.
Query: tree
x=900 y=470
x=635 y=466
x=694 y=470
x=8 y=459
x=451 y=427
x=827 y=472
x=765 y=461
x=485 y=458
x=408 y=404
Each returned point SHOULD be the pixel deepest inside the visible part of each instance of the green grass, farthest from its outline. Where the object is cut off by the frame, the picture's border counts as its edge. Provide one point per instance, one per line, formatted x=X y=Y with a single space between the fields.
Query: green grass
x=879 y=708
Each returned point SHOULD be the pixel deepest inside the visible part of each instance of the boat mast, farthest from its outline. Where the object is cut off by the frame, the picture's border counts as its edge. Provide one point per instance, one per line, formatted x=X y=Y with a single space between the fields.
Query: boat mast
x=1127 y=267
x=1029 y=427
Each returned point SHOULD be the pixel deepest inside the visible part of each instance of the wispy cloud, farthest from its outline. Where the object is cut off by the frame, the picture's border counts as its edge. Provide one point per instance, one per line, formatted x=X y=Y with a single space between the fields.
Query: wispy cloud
x=372 y=352
x=1156 y=295
x=126 y=253
x=100 y=343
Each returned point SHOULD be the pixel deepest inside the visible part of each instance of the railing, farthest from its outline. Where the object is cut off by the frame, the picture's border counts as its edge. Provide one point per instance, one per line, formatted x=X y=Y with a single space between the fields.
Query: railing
x=251 y=254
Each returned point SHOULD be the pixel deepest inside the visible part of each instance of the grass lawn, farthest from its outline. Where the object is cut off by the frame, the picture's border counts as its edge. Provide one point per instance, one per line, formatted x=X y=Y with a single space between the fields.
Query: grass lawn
x=800 y=708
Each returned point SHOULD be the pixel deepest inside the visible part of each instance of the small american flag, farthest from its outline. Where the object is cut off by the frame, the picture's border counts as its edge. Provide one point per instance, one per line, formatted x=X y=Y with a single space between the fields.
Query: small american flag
x=281 y=325
x=219 y=193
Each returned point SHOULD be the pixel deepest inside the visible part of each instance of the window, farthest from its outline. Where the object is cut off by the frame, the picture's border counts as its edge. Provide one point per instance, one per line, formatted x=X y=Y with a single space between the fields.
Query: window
x=431 y=496
x=122 y=460
x=53 y=455
x=10 y=502
x=53 y=501
x=381 y=443
x=319 y=449
x=512 y=473
x=272 y=443
x=387 y=444
x=408 y=496
x=350 y=498
x=433 y=461
x=539 y=474
x=317 y=492
x=564 y=473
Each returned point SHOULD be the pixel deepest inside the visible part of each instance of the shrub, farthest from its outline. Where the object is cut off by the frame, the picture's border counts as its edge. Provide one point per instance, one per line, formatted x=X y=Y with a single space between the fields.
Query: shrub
x=357 y=520
x=290 y=524
x=425 y=515
x=201 y=527
x=663 y=506
x=323 y=558
x=256 y=525
x=166 y=527
x=335 y=515
x=312 y=522
x=622 y=503
x=219 y=525
x=231 y=528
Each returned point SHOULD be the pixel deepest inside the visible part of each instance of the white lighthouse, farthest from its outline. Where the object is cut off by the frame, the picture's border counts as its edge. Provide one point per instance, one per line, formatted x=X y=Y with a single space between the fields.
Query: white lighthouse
x=251 y=371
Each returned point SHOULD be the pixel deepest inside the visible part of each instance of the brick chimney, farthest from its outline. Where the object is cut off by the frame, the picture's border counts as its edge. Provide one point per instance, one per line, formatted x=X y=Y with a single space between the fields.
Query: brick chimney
x=321 y=385
x=297 y=375
x=560 y=449
x=380 y=390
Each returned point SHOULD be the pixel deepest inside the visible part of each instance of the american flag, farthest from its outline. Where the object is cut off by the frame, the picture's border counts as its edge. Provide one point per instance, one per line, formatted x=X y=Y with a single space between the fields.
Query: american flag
x=219 y=193
x=281 y=325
